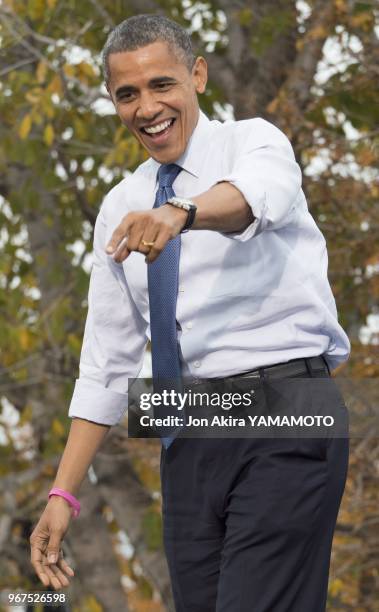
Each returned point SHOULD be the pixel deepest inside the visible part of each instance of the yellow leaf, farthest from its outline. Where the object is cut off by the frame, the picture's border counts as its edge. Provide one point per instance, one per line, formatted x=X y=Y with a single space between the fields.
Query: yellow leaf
x=318 y=32
x=74 y=343
x=109 y=159
x=48 y=108
x=273 y=105
x=340 y=5
x=34 y=95
x=134 y=151
x=245 y=16
x=90 y=604
x=36 y=116
x=335 y=587
x=69 y=70
x=299 y=44
x=25 y=126
x=26 y=415
x=119 y=134
x=24 y=338
x=48 y=134
x=366 y=156
x=362 y=20
x=86 y=69
x=55 y=85
x=51 y=3
x=41 y=71
x=36 y=8
x=80 y=128
x=57 y=428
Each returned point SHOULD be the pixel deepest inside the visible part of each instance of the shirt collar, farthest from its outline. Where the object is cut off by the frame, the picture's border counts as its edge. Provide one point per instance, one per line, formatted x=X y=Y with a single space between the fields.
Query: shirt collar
x=192 y=159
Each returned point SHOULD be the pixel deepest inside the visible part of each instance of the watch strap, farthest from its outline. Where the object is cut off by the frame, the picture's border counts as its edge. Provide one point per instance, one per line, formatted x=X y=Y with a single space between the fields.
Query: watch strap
x=190 y=220
x=187 y=205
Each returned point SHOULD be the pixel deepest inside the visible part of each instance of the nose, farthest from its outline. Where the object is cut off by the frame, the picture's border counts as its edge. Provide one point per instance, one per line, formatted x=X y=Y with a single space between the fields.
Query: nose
x=149 y=107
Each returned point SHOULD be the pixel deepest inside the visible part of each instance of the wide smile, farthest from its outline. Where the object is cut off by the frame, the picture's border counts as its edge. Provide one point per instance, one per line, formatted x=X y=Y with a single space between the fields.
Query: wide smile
x=159 y=132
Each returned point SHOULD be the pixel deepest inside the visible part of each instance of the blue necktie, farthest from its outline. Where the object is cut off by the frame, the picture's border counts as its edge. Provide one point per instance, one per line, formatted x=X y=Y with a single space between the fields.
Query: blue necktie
x=163 y=276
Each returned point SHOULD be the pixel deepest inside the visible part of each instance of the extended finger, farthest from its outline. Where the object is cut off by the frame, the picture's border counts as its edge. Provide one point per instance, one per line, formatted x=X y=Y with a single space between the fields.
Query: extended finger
x=119 y=246
x=53 y=580
x=122 y=253
x=41 y=573
x=59 y=574
x=36 y=560
x=65 y=567
x=118 y=235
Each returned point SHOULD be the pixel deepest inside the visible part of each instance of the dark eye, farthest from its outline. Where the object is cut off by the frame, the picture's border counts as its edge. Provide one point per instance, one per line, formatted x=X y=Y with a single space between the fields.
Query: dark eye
x=126 y=97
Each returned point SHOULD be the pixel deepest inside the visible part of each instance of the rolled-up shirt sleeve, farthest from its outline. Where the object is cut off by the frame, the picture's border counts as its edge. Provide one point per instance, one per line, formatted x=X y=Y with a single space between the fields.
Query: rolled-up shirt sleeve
x=265 y=171
x=114 y=340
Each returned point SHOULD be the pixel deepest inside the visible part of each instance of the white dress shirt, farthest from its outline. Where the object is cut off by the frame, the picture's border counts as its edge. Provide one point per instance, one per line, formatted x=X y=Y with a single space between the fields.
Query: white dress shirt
x=245 y=300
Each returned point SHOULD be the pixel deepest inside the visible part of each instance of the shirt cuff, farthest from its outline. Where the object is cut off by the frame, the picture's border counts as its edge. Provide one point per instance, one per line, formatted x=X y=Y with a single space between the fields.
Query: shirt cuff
x=96 y=403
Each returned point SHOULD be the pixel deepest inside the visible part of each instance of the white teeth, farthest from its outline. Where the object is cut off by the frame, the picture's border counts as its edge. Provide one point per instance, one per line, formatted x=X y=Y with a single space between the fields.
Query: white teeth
x=158 y=128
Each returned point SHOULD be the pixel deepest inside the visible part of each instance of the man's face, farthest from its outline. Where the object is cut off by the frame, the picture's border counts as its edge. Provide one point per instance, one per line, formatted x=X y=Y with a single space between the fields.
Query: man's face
x=155 y=96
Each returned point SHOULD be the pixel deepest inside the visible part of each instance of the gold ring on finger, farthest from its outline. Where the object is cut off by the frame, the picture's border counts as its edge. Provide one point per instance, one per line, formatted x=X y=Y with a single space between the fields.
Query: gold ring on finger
x=147 y=244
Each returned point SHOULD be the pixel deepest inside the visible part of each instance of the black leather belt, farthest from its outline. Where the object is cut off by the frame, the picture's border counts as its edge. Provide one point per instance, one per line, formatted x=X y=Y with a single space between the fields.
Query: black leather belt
x=312 y=367
x=308 y=366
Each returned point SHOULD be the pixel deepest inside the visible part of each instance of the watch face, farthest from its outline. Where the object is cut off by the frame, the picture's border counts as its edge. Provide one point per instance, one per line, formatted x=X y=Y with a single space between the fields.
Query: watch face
x=182 y=203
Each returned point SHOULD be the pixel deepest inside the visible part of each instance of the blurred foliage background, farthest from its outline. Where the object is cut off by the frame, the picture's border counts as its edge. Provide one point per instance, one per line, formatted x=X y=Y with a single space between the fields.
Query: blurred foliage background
x=311 y=68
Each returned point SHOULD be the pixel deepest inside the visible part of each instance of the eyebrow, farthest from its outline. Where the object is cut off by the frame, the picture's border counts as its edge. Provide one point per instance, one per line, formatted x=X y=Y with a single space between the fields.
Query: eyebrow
x=162 y=79
x=155 y=81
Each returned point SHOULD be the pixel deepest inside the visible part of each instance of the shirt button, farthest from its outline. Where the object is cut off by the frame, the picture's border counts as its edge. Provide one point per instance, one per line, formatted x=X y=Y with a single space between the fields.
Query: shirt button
x=189 y=325
x=197 y=364
x=181 y=288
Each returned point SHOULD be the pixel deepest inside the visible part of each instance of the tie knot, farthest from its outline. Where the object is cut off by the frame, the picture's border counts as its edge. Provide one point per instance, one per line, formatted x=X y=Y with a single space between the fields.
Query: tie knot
x=167 y=174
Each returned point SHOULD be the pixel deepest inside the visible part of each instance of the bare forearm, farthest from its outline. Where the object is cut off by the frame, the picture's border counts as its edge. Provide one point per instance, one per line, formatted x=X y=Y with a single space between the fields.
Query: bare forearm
x=222 y=208
x=83 y=441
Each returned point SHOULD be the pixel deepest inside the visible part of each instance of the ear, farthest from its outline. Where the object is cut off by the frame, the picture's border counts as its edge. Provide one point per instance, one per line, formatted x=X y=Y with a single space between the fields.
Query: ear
x=200 y=74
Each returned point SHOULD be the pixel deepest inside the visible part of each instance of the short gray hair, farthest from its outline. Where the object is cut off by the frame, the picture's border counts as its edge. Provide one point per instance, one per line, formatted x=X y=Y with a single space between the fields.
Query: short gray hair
x=141 y=30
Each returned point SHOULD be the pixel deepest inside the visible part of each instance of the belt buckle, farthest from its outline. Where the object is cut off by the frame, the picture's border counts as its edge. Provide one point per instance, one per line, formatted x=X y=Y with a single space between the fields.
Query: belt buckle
x=252 y=374
x=317 y=365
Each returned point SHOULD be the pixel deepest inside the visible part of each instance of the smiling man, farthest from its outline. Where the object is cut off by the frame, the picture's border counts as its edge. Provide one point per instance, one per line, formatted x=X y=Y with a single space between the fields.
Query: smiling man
x=154 y=89
x=208 y=249
x=154 y=93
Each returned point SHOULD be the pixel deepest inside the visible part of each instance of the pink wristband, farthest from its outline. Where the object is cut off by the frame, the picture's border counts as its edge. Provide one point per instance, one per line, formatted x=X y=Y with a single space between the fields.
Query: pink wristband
x=74 y=503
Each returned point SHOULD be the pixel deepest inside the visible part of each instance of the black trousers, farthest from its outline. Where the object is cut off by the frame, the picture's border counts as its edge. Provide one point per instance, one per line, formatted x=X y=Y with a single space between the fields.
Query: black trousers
x=248 y=523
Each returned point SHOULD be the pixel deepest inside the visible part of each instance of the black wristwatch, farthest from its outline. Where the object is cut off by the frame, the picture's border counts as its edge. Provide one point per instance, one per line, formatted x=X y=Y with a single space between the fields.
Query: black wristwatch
x=187 y=205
